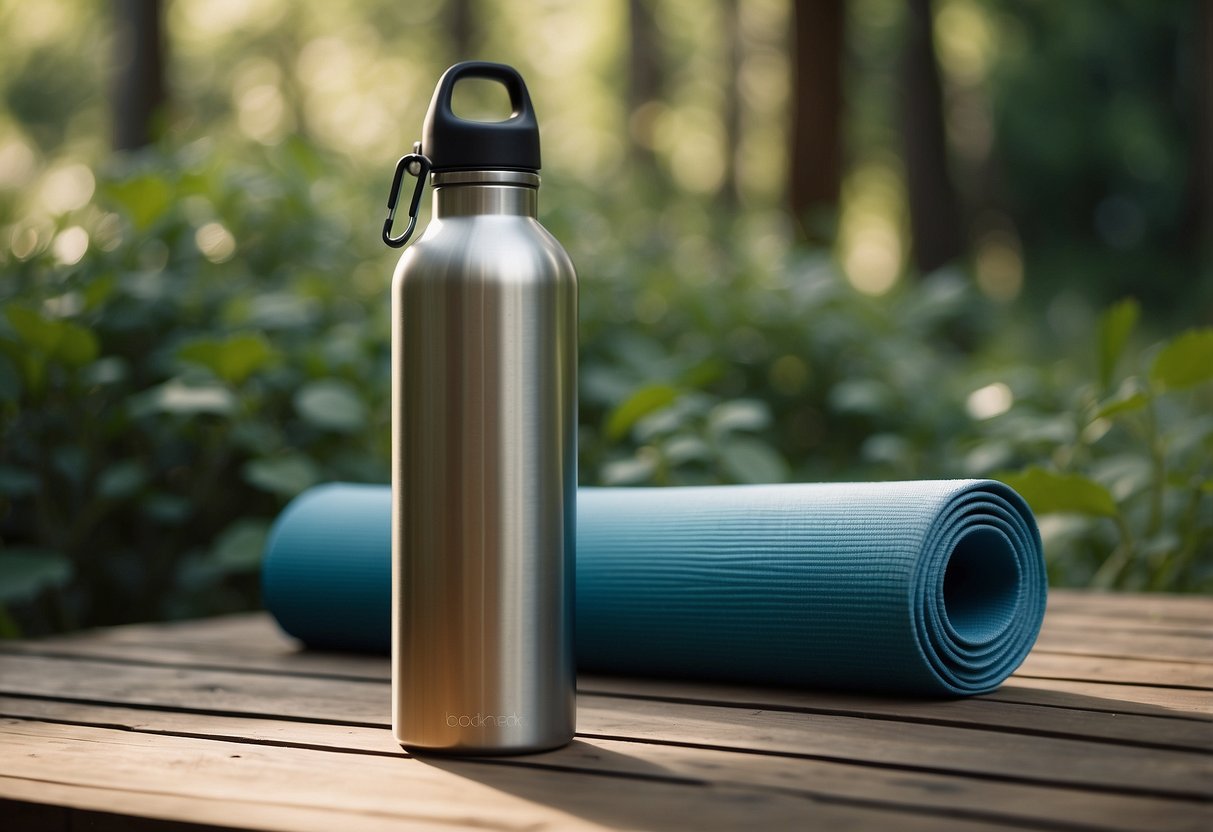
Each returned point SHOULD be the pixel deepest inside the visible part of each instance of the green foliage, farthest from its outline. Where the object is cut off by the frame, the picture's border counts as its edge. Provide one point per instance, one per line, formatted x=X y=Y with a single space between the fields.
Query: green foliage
x=1114 y=329
x=1100 y=198
x=1050 y=491
x=26 y=572
x=1126 y=501
x=332 y=404
x=1184 y=362
x=795 y=376
x=217 y=350
x=161 y=397
x=220 y=342
x=233 y=358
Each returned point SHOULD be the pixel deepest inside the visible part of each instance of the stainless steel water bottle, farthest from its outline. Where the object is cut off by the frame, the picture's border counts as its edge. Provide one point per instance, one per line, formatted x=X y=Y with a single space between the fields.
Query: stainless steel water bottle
x=484 y=442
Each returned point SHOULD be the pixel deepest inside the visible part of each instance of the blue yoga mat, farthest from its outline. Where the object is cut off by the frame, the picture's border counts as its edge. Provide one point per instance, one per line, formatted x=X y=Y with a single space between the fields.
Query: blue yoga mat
x=932 y=587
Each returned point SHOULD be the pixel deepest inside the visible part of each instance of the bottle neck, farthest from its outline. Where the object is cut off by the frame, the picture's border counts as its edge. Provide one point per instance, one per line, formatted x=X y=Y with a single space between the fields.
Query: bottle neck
x=465 y=193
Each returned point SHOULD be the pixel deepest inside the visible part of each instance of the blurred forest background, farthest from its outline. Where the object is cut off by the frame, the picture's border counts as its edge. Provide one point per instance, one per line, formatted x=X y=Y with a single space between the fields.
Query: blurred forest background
x=826 y=240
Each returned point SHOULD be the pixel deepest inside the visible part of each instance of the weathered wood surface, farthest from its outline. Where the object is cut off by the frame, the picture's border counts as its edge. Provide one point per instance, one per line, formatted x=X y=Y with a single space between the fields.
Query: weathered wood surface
x=225 y=723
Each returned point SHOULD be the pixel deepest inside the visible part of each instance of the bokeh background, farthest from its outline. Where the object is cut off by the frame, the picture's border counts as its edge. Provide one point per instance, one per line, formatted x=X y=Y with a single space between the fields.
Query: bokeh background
x=829 y=240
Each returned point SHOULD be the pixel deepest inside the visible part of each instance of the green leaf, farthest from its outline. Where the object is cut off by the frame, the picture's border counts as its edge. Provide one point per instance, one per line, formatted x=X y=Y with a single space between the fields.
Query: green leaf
x=739 y=415
x=1034 y=429
x=1122 y=404
x=283 y=475
x=33 y=329
x=232 y=359
x=631 y=471
x=1115 y=326
x=641 y=403
x=257 y=437
x=175 y=396
x=24 y=573
x=72 y=462
x=169 y=509
x=661 y=422
x=1051 y=491
x=1124 y=475
x=108 y=370
x=145 y=198
x=98 y=290
x=887 y=449
x=1185 y=361
x=751 y=460
x=121 y=480
x=331 y=404
x=62 y=340
x=282 y=310
x=864 y=397
x=682 y=449
x=77 y=346
x=239 y=547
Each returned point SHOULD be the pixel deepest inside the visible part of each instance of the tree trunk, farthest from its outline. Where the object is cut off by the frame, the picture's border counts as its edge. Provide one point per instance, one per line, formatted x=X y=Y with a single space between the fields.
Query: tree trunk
x=937 y=238
x=646 y=81
x=1202 y=162
x=730 y=187
x=460 y=25
x=138 y=81
x=816 y=134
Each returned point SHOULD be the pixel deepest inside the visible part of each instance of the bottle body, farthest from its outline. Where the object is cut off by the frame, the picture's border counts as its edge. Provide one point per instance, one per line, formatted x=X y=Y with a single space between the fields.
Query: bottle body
x=484 y=398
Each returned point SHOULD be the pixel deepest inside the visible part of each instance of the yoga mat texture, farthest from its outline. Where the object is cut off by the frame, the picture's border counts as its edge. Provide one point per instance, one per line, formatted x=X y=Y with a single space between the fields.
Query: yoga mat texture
x=931 y=587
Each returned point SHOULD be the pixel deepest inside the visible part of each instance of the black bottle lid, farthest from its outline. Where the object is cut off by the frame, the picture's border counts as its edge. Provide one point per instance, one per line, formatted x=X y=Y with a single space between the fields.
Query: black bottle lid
x=454 y=143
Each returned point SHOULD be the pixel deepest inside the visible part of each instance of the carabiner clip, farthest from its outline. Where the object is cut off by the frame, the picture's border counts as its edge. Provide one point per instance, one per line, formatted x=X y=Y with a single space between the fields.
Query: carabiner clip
x=406 y=163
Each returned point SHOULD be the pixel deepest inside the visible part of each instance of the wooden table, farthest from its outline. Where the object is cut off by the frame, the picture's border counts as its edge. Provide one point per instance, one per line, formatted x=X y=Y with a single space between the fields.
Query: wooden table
x=224 y=722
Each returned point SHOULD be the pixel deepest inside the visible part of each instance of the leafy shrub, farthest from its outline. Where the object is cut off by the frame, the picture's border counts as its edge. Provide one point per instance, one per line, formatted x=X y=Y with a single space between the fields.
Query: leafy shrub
x=1126 y=482
x=221 y=343
x=211 y=354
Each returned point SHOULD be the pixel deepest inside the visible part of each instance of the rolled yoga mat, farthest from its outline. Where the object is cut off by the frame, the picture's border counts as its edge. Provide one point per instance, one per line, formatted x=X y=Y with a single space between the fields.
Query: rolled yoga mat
x=931 y=587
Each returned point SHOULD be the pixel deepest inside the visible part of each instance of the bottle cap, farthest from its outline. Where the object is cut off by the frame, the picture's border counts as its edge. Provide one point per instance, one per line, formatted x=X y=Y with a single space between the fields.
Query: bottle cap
x=454 y=143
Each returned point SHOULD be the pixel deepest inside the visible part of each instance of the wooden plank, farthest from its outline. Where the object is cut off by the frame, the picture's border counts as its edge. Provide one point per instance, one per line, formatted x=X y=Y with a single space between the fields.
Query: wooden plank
x=1142 y=646
x=942 y=795
x=983 y=753
x=289 y=661
x=1188 y=675
x=1098 y=626
x=989 y=711
x=985 y=712
x=909 y=745
x=301 y=788
x=255 y=633
x=1077 y=624
x=902 y=759
x=1125 y=606
x=250 y=635
x=1109 y=698
x=220 y=629
x=254 y=642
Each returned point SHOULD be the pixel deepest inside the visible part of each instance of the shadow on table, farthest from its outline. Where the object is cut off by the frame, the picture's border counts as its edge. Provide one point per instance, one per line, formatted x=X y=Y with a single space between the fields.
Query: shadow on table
x=577 y=779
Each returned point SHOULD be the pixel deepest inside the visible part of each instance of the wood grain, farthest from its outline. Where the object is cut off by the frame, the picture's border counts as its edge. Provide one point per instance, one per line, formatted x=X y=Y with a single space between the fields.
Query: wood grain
x=318 y=789
x=927 y=794
x=227 y=723
x=976 y=749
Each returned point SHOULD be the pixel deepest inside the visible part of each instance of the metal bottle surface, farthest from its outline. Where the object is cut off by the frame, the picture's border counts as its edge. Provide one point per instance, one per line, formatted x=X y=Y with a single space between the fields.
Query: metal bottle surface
x=484 y=416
